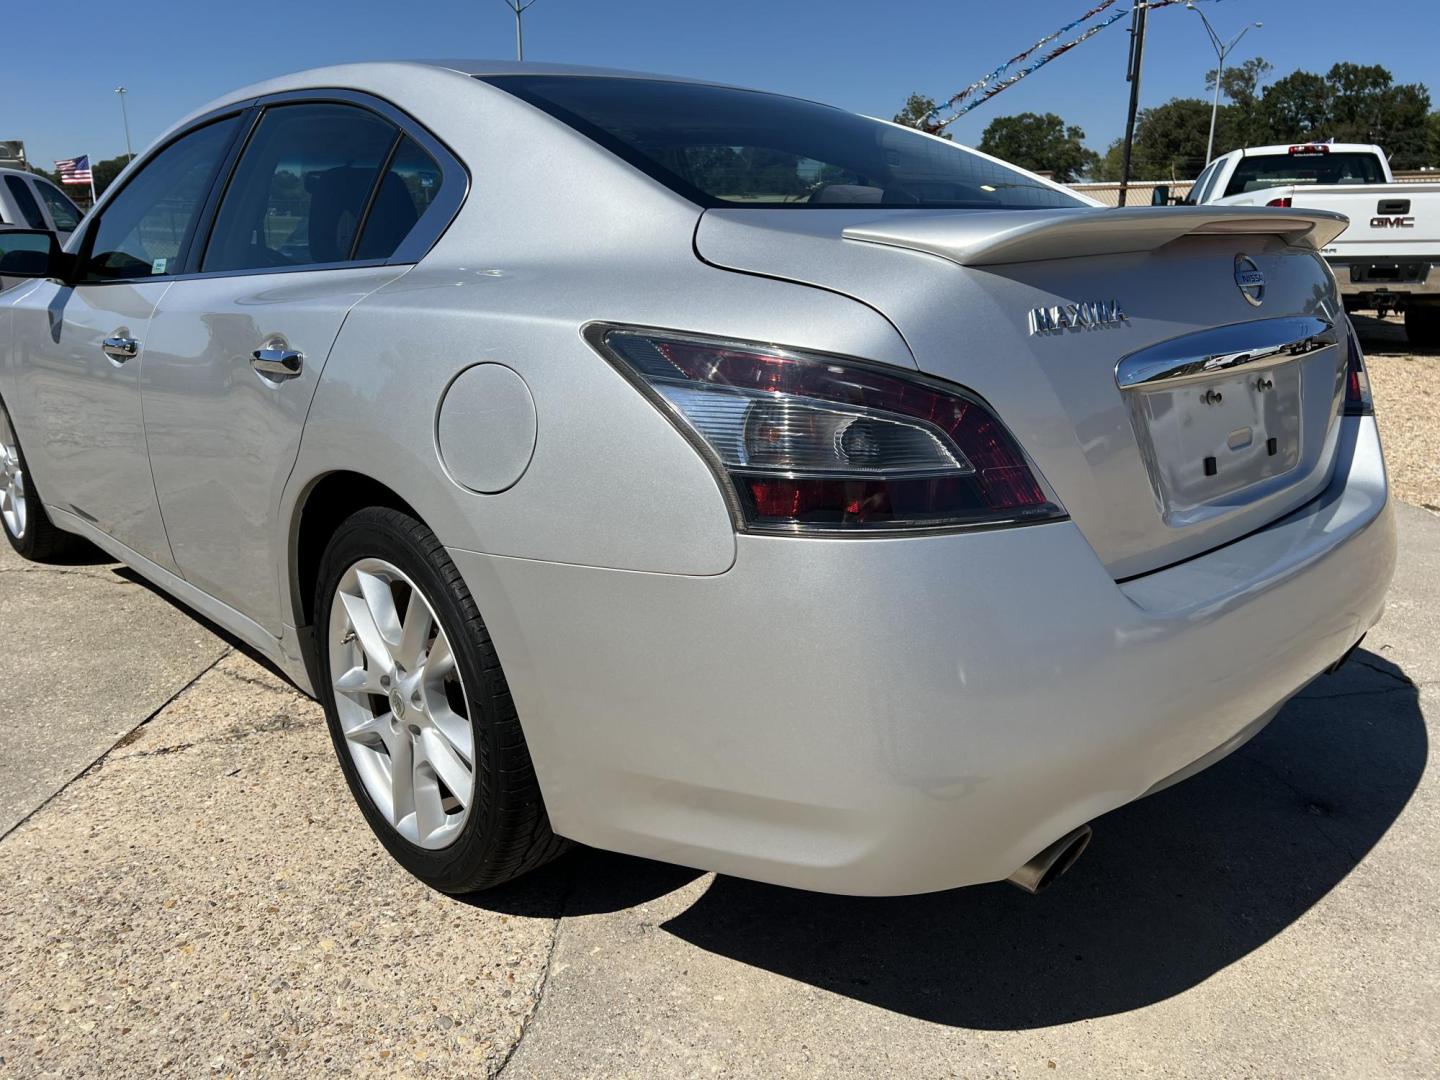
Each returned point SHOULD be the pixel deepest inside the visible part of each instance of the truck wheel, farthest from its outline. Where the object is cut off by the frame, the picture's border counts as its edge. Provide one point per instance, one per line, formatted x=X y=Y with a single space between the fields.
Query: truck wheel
x=1422 y=326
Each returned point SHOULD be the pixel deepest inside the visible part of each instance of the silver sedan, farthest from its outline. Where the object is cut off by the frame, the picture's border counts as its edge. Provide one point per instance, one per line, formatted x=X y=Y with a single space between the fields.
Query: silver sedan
x=700 y=473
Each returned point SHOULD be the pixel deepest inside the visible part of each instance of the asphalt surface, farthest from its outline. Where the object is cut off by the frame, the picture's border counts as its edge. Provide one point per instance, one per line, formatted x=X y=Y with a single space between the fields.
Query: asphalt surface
x=205 y=900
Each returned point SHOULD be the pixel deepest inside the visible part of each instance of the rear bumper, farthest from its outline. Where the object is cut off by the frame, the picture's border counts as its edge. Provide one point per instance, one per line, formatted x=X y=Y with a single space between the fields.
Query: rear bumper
x=905 y=715
x=1367 y=278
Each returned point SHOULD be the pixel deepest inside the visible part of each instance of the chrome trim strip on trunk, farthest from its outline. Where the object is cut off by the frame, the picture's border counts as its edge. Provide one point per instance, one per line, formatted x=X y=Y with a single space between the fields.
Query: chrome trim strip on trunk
x=1255 y=345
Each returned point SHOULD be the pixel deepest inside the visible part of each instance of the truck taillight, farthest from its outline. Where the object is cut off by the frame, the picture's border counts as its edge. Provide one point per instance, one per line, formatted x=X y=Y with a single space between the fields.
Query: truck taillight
x=1280 y=202
x=815 y=443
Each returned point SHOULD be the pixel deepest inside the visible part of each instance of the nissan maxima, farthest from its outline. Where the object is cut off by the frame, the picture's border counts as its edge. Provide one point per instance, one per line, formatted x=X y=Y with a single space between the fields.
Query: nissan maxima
x=701 y=473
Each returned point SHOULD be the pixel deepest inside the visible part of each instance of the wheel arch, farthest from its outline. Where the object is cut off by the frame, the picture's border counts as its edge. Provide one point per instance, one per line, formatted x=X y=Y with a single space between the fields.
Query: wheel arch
x=326 y=501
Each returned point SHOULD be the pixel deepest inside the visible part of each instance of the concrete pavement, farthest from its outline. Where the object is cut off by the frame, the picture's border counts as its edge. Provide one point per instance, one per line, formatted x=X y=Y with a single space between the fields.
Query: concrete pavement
x=91 y=653
x=207 y=900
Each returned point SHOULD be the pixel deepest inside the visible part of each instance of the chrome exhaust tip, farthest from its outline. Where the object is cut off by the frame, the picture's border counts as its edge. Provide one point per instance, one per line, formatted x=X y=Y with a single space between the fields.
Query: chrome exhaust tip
x=1041 y=871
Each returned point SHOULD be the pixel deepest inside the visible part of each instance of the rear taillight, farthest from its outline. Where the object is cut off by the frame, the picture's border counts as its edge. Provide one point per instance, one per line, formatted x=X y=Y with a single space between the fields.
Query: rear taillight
x=1357 y=382
x=816 y=443
x=1280 y=202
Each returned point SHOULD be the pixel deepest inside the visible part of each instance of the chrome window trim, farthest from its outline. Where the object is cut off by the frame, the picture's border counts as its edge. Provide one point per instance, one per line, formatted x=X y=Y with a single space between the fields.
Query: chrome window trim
x=426 y=233
x=1253 y=345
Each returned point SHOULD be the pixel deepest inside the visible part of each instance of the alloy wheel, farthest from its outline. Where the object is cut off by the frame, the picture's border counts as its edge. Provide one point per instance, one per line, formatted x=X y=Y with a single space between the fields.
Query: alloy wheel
x=12 y=480
x=401 y=703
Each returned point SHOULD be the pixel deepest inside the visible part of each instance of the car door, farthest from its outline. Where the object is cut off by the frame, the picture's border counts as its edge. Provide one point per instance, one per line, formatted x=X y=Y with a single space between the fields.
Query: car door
x=316 y=206
x=80 y=345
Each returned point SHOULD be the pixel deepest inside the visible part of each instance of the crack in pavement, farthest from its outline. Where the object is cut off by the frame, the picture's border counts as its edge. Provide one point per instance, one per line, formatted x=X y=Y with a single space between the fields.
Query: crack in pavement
x=527 y=1021
x=124 y=740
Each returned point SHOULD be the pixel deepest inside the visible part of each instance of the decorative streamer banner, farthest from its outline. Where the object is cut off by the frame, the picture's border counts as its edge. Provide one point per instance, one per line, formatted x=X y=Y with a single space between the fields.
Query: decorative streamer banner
x=982 y=90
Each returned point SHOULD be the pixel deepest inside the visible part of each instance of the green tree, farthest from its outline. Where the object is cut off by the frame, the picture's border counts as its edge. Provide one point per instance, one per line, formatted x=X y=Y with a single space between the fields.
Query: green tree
x=1241 y=85
x=1350 y=103
x=1170 y=139
x=917 y=114
x=1040 y=142
x=1432 y=140
x=1295 y=108
x=106 y=171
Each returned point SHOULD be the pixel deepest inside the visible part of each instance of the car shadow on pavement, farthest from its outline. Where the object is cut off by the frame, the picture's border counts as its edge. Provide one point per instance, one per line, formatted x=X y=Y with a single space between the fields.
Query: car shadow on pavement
x=1386 y=337
x=1173 y=889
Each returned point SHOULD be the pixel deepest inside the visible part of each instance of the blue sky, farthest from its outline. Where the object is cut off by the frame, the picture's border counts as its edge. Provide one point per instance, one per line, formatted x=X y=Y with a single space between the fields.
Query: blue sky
x=865 y=55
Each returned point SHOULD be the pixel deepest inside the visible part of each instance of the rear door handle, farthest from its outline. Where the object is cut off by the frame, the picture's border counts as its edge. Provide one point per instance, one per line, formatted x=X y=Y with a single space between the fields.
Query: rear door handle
x=277 y=361
x=120 y=348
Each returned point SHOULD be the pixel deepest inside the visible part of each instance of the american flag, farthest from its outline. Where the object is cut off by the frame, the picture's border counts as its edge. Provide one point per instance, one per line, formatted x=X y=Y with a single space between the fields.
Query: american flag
x=74 y=170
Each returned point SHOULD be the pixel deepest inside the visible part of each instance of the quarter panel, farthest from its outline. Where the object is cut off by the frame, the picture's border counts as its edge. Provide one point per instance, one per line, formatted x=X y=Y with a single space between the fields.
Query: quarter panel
x=611 y=481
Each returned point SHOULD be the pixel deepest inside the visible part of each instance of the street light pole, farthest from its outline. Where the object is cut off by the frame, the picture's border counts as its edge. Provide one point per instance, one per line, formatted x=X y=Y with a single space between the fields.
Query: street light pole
x=519 y=7
x=1222 y=50
x=125 y=116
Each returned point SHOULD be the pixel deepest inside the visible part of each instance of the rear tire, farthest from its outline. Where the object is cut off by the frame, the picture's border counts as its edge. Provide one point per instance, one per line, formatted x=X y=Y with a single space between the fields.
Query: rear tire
x=1422 y=325
x=415 y=703
x=27 y=526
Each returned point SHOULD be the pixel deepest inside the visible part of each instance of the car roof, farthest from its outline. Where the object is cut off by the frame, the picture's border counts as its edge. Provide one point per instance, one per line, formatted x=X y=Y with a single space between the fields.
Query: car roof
x=1337 y=148
x=386 y=77
x=515 y=67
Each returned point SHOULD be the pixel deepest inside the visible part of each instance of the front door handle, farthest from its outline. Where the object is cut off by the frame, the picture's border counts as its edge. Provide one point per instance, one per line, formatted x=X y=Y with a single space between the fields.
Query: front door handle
x=120 y=348
x=277 y=361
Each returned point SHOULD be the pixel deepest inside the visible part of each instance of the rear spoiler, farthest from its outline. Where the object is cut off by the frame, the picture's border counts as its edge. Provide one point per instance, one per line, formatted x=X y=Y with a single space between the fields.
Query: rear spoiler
x=991 y=239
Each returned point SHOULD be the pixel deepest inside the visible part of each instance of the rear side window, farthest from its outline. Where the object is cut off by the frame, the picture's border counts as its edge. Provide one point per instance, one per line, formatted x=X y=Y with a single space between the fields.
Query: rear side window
x=408 y=188
x=65 y=213
x=724 y=147
x=1201 y=187
x=29 y=208
x=145 y=230
x=301 y=189
x=1277 y=170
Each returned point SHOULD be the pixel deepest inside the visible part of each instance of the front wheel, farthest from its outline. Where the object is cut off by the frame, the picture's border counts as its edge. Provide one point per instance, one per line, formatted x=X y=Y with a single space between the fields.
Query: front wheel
x=1422 y=325
x=419 y=711
x=27 y=526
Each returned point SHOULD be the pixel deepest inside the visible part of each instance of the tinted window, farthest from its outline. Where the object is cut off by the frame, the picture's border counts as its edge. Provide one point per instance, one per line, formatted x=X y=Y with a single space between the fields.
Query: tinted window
x=144 y=230
x=1197 y=189
x=1276 y=170
x=410 y=185
x=301 y=188
x=1216 y=171
x=722 y=147
x=65 y=213
x=29 y=208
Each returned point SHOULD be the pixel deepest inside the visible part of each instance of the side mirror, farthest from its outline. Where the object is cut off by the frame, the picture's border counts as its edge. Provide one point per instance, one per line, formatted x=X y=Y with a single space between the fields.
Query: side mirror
x=31 y=253
x=1160 y=195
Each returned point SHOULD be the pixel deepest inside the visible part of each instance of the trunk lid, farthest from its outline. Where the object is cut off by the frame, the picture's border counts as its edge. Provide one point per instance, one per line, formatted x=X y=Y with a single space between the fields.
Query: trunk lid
x=1046 y=313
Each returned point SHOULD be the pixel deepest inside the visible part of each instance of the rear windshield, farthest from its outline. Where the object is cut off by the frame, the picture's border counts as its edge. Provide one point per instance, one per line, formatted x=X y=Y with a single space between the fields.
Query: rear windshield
x=724 y=147
x=1278 y=170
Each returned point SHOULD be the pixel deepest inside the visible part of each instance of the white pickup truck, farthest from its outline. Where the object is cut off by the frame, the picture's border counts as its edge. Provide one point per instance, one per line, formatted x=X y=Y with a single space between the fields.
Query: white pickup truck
x=1389 y=257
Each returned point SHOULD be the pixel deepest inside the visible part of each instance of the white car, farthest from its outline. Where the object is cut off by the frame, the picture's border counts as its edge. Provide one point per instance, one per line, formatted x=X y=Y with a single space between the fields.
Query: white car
x=702 y=473
x=1389 y=257
x=30 y=201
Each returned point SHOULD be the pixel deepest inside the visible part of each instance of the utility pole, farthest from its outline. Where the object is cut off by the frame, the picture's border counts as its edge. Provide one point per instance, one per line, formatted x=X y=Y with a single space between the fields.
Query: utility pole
x=1132 y=76
x=1222 y=50
x=519 y=7
x=125 y=116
